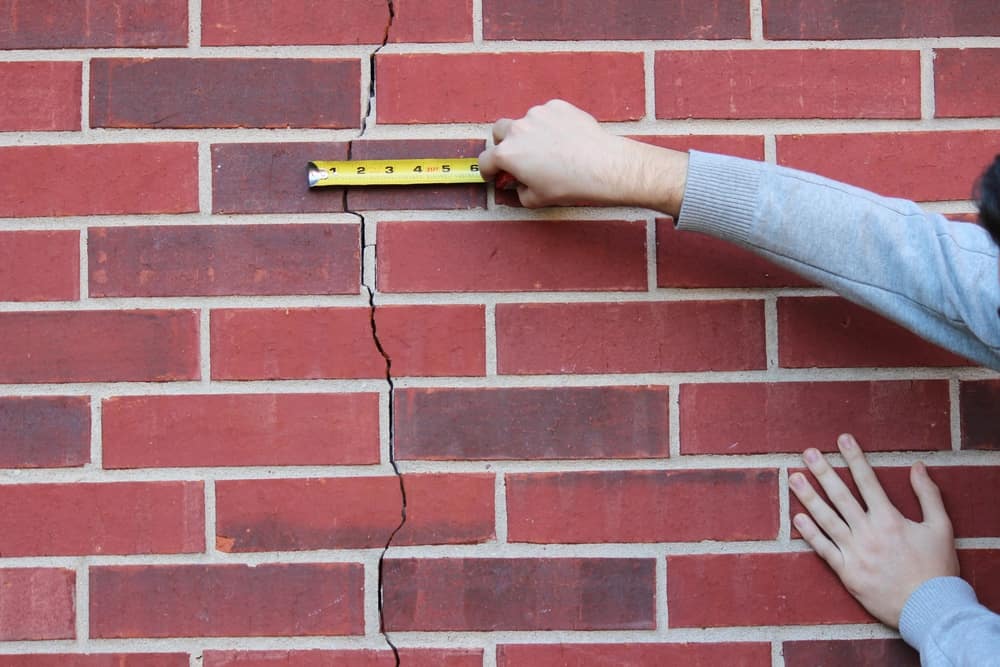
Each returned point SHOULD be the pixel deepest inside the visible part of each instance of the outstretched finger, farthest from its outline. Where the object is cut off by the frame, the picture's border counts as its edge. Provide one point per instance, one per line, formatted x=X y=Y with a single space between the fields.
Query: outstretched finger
x=826 y=549
x=500 y=129
x=828 y=520
x=868 y=485
x=929 y=495
x=838 y=493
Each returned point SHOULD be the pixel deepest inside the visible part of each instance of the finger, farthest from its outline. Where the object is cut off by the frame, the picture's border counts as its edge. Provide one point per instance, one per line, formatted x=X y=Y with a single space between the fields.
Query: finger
x=838 y=493
x=826 y=549
x=500 y=129
x=527 y=197
x=828 y=520
x=929 y=495
x=488 y=166
x=868 y=485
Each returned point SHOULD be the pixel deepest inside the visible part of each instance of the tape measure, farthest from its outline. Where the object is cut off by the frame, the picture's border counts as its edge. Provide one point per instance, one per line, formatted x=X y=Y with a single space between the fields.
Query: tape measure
x=410 y=171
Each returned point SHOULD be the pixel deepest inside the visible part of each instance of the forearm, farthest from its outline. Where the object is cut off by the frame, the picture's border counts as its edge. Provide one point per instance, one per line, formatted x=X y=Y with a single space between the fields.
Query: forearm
x=943 y=620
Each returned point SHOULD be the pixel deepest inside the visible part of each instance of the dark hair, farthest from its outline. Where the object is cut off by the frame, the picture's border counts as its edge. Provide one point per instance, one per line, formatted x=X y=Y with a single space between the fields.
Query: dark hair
x=987 y=196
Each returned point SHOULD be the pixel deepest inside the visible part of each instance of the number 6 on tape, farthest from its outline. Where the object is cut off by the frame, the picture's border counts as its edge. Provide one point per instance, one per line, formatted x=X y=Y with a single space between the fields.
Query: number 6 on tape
x=421 y=171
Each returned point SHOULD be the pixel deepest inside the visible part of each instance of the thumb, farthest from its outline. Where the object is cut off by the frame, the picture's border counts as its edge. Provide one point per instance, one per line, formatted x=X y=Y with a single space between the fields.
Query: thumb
x=929 y=495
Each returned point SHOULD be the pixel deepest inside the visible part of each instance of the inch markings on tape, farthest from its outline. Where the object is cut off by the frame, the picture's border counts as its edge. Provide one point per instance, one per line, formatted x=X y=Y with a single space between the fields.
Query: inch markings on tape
x=409 y=171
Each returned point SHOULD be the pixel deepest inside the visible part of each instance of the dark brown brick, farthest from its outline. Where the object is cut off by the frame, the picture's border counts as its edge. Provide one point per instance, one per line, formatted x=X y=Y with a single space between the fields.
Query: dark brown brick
x=980 y=405
x=44 y=431
x=695 y=654
x=225 y=92
x=53 y=24
x=849 y=653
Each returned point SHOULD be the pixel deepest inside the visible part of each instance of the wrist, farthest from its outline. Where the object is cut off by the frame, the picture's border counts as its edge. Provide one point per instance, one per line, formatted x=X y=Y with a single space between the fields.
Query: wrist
x=657 y=177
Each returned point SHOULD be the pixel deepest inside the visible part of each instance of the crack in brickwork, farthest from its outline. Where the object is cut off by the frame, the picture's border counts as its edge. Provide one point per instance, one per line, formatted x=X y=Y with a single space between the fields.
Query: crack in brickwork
x=378 y=343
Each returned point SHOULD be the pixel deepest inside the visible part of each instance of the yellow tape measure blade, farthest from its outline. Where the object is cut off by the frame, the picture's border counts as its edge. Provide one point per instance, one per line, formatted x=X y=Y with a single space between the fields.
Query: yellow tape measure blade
x=413 y=171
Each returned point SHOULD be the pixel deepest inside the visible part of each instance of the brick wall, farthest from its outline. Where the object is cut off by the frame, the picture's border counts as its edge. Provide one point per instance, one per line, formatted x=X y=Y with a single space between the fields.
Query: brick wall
x=595 y=416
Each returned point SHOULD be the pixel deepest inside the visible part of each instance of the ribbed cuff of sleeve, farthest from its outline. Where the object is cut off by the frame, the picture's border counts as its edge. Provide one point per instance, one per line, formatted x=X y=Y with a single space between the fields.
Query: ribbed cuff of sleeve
x=932 y=601
x=720 y=196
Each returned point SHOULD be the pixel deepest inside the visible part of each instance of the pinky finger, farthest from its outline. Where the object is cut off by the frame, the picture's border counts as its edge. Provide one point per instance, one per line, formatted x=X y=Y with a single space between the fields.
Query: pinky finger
x=819 y=542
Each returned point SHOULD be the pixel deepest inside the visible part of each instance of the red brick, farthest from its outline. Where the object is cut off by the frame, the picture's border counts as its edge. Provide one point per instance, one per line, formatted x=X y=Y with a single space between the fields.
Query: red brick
x=860 y=19
x=280 y=515
x=531 y=423
x=39 y=266
x=240 y=430
x=411 y=657
x=225 y=92
x=482 y=594
x=301 y=599
x=979 y=568
x=798 y=84
x=830 y=332
x=242 y=184
x=690 y=259
x=921 y=166
x=413 y=86
x=43 y=181
x=112 y=518
x=51 y=24
x=641 y=337
x=511 y=256
x=761 y=418
x=968 y=492
x=731 y=654
x=267 y=22
x=209 y=260
x=614 y=506
x=40 y=96
x=99 y=346
x=627 y=19
x=37 y=604
x=960 y=88
x=978 y=401
x=44 y=431
x=849 y=653
x=99 y=660
x=719 y=590
x=311 y=343
x=416 y=197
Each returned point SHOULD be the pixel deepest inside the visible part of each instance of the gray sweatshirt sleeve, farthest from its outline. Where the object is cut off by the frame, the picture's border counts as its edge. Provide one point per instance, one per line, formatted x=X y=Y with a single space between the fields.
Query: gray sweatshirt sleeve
x=943 y=620
x=934 y=276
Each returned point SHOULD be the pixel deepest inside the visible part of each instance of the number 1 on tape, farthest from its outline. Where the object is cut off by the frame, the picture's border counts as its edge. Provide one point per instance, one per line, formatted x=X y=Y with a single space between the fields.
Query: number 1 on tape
x=349 y=173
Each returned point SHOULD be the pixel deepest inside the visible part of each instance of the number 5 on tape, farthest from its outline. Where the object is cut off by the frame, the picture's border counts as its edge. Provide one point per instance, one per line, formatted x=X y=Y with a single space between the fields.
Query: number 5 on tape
x=423 y=171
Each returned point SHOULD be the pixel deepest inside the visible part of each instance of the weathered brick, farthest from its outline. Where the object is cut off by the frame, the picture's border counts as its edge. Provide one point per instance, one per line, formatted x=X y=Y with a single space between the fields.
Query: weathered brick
x=921 y=166
x=849 y=653
x=301 y=599
x=638 y=337
x=37 y=604
x=416 y=197
x=483 y=594
x=731 y=654
x=280 y=515
x=614 y=506
x=225 y=92
x=271 y=178
x=44 y=431
x=719 y=590
x=99 y=660
x=968 y=493
x=690 y=259
x=628 y=19
x=51 y=24
x=980 y=426
x=104 y=518
x=99 y=346
x=240 y=430
x=531 y=423
x=99 y=179
x=959 y=76
x=40 y=266
x=511 y=256
x=799 y=84
x=40 y=96
x=413 y=86
x=760 y=418
x=411 y=657
x=271 y=22
x=831 y=332
x=859 y=19
x=311 y=343
x=207 y=260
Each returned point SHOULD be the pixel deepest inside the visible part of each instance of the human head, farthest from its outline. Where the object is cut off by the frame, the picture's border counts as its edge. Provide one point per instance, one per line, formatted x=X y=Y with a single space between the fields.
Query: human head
x=987 y=196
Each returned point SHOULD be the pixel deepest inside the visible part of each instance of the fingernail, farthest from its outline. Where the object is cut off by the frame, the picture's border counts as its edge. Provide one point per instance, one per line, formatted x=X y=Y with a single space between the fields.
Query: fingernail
x=797 y=480
x=847 y=441
x=811 y=455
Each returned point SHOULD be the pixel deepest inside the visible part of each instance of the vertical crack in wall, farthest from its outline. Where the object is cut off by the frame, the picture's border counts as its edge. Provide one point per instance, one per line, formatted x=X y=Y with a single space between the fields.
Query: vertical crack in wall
x=378 y=343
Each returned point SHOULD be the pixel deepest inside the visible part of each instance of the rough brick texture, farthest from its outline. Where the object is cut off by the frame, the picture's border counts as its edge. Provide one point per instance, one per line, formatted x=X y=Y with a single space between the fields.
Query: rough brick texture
x=99 y=660
x=741 y=654
x=844 y=653
x=40 y=96
x=39 y=266
x=980 y=428
x=51 y=24
x=44 y=431
x=413 y=657
x=37 y=604
x=958 y=83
